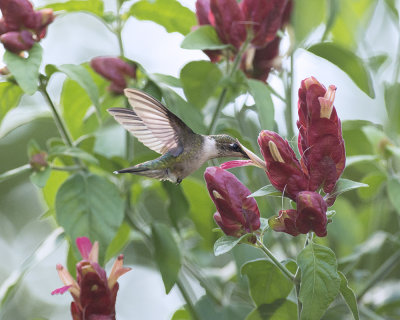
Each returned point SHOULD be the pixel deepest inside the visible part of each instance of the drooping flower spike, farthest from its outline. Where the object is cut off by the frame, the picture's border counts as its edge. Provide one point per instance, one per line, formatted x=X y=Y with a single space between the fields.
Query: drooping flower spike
x=322 y=161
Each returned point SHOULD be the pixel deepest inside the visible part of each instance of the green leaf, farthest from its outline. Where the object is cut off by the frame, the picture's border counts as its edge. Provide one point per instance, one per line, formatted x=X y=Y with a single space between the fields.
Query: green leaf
x=203 y=38
x=391 y=4
x=268 y=190
x=169 y=13
x=374 y=180
x=201 y=209
x=199 y=80
x=348 y=62
x=25 y=70
x=393 y=189
x=71 y=152
x=392 y=102
x=187 y=112
x=119 y=242
x=10 y=95
x=79 y=74
x=94 y=6
x=344 y=185
x=166 y=79
x=307 y=16
x=320 y=281
x=227 y=243
x=45 y=248
x=178 y=207
x=348 y=296
x=40 y=178
x=351 y=160
x=90 y=205
x=208 y=309
x=281 y=309
x=181 y=314
x=266 y=282
x=376 y=62
x=166 y=254
x=264 y=104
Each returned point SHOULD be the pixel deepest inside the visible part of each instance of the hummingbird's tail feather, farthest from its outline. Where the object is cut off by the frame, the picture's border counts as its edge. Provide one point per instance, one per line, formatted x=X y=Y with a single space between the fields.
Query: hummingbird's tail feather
x=161 y=174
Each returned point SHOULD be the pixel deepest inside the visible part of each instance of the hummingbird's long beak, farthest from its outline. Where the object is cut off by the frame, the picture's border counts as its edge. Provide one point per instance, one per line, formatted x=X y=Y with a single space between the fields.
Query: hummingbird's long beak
x=254 y=158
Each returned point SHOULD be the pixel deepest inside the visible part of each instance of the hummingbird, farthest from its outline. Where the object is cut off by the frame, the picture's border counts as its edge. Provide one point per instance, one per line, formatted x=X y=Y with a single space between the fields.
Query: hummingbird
x=182 y=150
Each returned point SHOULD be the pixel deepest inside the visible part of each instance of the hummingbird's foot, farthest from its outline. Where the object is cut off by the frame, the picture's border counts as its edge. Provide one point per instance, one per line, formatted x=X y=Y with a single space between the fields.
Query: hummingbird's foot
x=178 y=181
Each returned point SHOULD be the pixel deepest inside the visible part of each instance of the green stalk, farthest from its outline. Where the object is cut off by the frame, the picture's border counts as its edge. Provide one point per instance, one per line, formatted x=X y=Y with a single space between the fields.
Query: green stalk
x=285 y=271
x=380 y=274
x=189 y=304
x=288 y=109
x=14 y=172
x=59 y=123
x=222 y=97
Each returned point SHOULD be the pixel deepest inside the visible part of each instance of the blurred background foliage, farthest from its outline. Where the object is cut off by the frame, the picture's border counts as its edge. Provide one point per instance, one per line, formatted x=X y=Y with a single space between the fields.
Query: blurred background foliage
x=353 y=44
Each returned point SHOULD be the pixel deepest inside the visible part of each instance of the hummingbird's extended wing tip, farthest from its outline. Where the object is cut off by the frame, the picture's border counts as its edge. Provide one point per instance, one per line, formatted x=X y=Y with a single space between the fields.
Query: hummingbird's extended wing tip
x=116 y=172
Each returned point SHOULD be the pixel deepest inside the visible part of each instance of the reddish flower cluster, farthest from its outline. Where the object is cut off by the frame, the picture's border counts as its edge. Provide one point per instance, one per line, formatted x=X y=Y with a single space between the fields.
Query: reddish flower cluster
x=94 y=295
x=116 y=70
x=323 y=157
x=21 y=26
x=258 y=19
x=236 y=213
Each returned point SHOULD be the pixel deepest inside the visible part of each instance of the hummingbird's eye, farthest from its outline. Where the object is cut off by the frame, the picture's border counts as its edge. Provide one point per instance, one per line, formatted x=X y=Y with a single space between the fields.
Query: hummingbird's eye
x=235 y=147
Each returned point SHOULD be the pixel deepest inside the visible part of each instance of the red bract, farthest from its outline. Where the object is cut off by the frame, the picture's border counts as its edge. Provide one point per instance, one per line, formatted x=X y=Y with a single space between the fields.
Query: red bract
x=21 y=26
x=257 y=63
x=17 y=41
x=114 y=69
x=321 y=144
x=283 y=169
x=236 y=213
x=94 y=295
x=258 y=19
x=265 y=19
x=311 y=209
x=323 y=158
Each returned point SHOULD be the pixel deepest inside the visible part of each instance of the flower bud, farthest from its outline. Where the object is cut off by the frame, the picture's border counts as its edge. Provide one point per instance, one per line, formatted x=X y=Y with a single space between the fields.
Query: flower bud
x=38 y=161
x=285 y=222
x=227 y=18
x=236 y=213
x=311 y=209
x=114 y=69
x=17 y=41
x=283 y=169
x=321 y=143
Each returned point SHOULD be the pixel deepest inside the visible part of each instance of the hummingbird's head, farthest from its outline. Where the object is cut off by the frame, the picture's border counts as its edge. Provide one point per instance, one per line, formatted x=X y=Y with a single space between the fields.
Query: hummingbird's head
x=228 y=146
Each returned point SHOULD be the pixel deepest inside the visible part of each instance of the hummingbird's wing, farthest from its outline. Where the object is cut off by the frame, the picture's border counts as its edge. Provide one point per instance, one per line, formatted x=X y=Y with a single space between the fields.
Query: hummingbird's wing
x=152 y=123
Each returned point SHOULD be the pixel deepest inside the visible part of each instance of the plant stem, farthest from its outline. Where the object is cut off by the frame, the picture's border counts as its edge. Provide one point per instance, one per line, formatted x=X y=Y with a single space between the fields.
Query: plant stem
x=67 y=168
x=222 y=97
x=288 y=110
x=297 y=286
x=275 y=260
x=119 y=29
x=381 y=273
x=14 y=172
x=59 y=123
x=189 y=304
x=276 y=94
